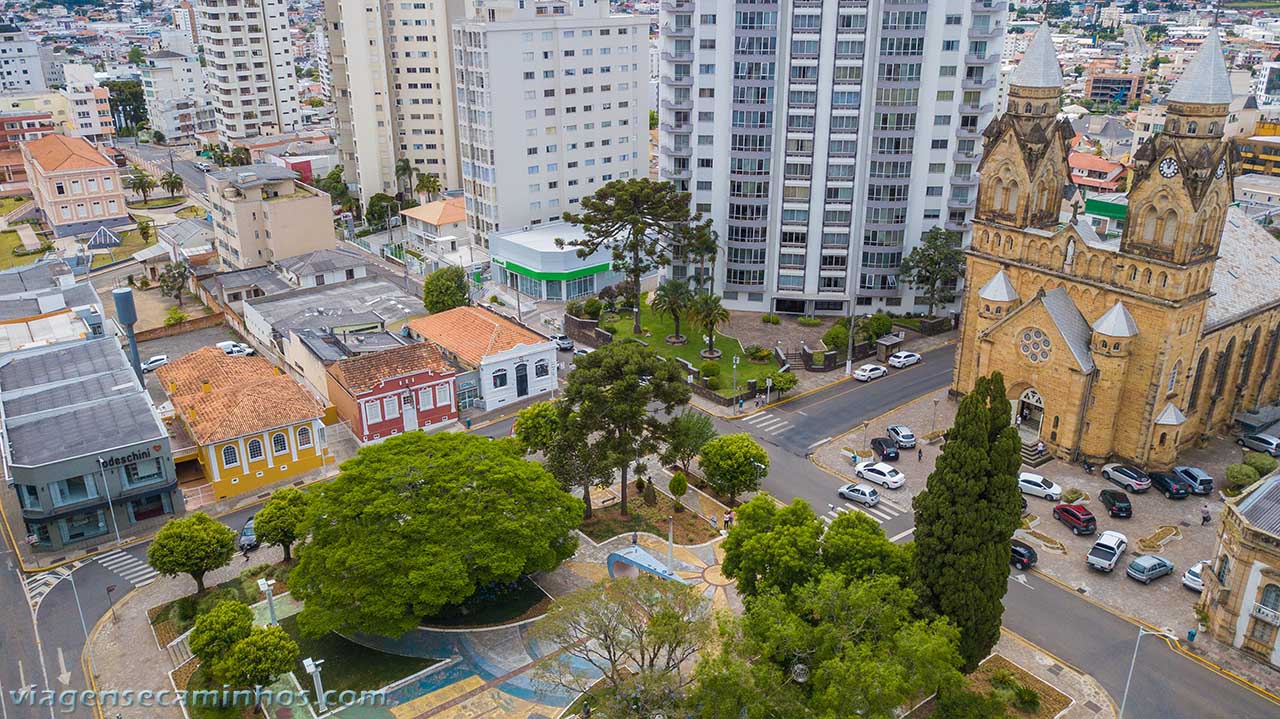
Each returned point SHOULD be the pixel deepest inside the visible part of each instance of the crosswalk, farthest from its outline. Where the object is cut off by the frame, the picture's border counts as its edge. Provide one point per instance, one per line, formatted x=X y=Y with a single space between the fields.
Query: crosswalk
x=132 y=569
x=882 y=512
x=769 y=423
x=39 y=585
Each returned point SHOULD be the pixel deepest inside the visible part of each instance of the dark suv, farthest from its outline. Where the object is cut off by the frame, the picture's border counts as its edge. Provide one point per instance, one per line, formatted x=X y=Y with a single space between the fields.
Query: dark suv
x=1170 y=485
x=1079 y=519
x=1116 y=502
x=885 y=448
x=1023 y=556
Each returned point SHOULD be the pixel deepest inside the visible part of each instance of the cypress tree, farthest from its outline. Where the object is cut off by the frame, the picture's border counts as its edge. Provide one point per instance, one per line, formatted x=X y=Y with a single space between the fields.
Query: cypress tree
x=966 y=517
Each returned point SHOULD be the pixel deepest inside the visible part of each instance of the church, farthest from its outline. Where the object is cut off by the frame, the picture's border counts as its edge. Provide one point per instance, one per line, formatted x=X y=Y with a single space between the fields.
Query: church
x=1124 y=344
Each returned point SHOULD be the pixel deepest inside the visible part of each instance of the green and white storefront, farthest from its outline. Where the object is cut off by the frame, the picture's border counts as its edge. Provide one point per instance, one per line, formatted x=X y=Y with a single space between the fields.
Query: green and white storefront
x=529 y=260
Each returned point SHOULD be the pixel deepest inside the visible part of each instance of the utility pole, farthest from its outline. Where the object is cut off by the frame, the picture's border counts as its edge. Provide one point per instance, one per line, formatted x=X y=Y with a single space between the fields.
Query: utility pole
x=848 y=358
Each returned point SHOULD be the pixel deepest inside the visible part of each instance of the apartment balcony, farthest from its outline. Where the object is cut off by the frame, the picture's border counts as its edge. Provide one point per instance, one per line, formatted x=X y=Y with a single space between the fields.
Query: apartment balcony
x=989 y=58
x=979 y=109
x=680 y=151
x=671 y=173
x=677 y=56
x=956 y=226
x=958 y=201
x=987 y=5
x=670 y=30
x=683 y=127
x=677 y=5
x=966 y=132
x=986 y=33
x=1266 y=614
x=678 y=81
x=963 y=156
x=673 y=104
x=969 y=180
x=970 y=83
x=807 y=3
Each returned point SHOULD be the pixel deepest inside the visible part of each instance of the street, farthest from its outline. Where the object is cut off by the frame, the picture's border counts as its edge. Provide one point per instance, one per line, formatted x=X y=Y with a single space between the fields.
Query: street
x=165 y=157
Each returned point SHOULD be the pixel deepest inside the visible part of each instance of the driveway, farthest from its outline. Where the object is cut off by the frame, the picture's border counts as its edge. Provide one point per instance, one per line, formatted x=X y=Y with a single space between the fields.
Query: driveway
x=180 y=345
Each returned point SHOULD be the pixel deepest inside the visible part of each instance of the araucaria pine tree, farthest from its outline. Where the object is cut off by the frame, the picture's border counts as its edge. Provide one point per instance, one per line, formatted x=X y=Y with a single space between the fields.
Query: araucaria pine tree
x=966 y=517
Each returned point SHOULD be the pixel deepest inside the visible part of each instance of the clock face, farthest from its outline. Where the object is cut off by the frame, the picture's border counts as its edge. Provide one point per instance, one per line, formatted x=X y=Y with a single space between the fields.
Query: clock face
x=1222 y=169
x=1168 y=167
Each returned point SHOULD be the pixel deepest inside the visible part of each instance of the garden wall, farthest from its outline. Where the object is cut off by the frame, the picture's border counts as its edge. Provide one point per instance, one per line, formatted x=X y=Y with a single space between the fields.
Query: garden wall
x=587 y=331
x=828 y=360
x=199 y=323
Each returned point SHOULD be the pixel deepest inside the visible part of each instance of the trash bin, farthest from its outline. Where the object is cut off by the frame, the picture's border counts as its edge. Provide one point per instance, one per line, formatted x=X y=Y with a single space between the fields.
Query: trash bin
x=468 y=423
x=1191 y=635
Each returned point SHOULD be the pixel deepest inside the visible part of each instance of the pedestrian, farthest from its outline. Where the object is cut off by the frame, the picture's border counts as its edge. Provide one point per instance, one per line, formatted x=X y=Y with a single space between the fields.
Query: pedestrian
x=244 y=551
x=1205 y=516
x=1017 y=421
x=635 y=537
x=919 y=454
x=733 y=516
x=715 y=522
x=1040 y=447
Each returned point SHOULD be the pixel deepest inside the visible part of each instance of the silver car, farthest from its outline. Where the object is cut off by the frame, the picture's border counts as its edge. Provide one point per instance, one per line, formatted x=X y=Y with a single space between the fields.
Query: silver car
x=861 y=493
x=1261 y=443
x=1149 y=567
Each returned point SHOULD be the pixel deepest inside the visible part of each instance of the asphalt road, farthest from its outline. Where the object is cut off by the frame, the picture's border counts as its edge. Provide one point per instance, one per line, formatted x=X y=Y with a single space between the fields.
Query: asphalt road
x=191 y=175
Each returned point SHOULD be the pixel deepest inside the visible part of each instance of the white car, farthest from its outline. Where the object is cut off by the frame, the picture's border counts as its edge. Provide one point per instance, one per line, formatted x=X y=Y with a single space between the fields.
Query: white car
x=880 y=473
x=582 y=352
x=868 y=372
x=862 y=493
x=562 y=342
x=1193 y=578
x=1038 y=486
x=235 y=349
x=1106 y=552
x=903 y=359
x=154 y=363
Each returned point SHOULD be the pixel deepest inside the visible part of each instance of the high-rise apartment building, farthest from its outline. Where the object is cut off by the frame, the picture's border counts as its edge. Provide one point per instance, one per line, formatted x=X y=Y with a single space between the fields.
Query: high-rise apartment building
x=249 y=67
x=824 y=138
x=553 y=102
x=173 y=88
x=88 y=104
x=186 y=20
x=391 y=74
x=20 y=67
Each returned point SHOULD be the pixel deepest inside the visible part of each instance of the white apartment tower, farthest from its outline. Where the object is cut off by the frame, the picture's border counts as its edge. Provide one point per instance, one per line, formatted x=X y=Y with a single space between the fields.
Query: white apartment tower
x=249 y=67
x=20 y=68
x=553 y=102
x=824 y=137
x=391 y=75
x=185 y=19
x=173 y=88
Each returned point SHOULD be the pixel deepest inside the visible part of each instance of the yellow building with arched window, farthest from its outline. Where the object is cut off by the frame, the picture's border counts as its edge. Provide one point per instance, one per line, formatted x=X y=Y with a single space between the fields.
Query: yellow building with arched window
x=254 y=425
x=1123 y=344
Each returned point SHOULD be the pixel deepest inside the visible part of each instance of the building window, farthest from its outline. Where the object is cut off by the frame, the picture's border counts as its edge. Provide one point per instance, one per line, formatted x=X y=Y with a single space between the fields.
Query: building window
x=230 y=457
x=254 y=449
x=390 y=407
x=279 y=443
x=1271 y=597
x=304 y=436
x=541 y=368
x=443 y=396
x=500 y=378
x=373 y=411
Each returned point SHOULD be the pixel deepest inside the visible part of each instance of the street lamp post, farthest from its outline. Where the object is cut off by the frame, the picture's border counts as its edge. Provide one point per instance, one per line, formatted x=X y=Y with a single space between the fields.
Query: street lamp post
x=106 y=489
x=1141 y=633
x=312 y=667
x=264 y=585
x=735 y=375
x=111 y=588
x=88 y=650
x=848 y=357
x=761 y=469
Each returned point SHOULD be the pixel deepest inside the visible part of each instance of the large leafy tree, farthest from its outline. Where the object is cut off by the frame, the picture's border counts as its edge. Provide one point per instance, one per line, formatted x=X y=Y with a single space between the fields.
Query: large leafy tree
x=641 y=222
x=194 y=545
x=611 y=390
x=280 y=521
x=445 y=289
x=564 y=441
x=173 y=279
x=672 y=298
x=218 y=629
x=422 y=521
x=240 y=156
x=381 y=205
x=259 y=658
x=966 y=517
x=685 y=437
x=128 y=104
x=733 y=464
x=935 y=265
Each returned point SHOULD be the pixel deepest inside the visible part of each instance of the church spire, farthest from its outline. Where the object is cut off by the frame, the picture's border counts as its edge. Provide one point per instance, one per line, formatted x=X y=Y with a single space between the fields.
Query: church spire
x=1205 y=82
x=1039 y=66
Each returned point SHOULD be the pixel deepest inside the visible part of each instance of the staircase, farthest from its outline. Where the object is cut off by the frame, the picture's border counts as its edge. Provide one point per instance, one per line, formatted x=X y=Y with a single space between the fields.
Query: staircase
x=1033 y=458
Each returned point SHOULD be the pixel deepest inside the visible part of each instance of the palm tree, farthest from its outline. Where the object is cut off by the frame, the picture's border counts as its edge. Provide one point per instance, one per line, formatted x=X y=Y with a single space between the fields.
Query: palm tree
x=673 y=297
x=429 y=185
x=172 y=183
x=141 y=183
x=240 y=156
x=404 y=171
x=706 y=311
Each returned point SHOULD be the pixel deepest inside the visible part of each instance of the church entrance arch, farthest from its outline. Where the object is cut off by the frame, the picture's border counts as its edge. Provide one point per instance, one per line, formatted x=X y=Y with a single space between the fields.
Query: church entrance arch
x=1030 y=408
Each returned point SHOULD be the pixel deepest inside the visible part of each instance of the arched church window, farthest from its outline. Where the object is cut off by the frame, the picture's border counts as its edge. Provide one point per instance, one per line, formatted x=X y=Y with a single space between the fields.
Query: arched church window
x=1172 y=125
x=1044 y=108
x=1196 y=381
x=1027 y=108
x=986 y=308
x=1173 y=375
x=1149 y=225
x=999 y=310
x=999 y=194
x=1192 y=127
x=1164 y=279
x=1146 y=276
x=1011 y=201
x=1133 y=274
x=1213 y=128
x=1169 y=231
x=1164 y=436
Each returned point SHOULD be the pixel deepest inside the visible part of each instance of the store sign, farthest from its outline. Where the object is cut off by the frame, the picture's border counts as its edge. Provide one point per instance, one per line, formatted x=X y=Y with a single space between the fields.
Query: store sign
x=133 y=457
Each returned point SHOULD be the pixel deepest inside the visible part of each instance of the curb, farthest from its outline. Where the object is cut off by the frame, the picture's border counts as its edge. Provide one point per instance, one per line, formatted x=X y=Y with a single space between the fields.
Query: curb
x=85 y=663
x=1036 y=647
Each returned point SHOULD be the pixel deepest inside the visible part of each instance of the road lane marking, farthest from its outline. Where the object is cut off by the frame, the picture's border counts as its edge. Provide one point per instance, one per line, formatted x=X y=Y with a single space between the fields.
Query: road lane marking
x=819 y=443
x=900 y=535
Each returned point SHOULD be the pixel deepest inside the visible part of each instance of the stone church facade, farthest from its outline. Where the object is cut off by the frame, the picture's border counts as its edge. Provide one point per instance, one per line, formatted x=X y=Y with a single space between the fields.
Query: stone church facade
x=1126 y=347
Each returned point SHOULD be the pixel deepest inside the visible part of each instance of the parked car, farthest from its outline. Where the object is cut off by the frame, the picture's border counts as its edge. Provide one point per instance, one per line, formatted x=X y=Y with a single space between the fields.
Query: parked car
x=248 y=538
x=202 y=165
x=901 y=435
x=582 y=352
x=1131 y=478
x=1116 y=502
x=885 y=448
x=1038 y=486
x=154 y=363
x=1149 y=567
x=1170 y=485
x=1023 y=556
x=562 y=342
x=235 y=349
x=1193 y=578
x=1106 y=551
x=863 y=493
x=1197 y=479
x=1077 y=518
x=868 y=372
x=880 y=473
x=903 y=359
x=1261 y=443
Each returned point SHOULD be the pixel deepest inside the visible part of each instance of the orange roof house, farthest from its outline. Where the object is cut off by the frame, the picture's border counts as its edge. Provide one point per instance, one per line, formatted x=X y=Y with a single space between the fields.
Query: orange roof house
x=441 y=217
x=1091 y=171
x=58 y=153
x=473 y=333
x=76 y=186
x=382 y=394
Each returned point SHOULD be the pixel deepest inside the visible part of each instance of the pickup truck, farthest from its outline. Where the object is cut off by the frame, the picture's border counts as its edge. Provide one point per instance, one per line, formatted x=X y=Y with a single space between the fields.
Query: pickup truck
x=1106 y=551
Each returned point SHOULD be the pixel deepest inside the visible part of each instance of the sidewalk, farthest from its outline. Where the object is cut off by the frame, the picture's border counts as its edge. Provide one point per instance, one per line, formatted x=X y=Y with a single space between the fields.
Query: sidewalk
x=1233 y=661
x=1089 y=699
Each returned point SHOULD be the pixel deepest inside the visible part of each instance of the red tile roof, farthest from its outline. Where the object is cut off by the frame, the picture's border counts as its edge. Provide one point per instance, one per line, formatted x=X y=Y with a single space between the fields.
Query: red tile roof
x=472 y=333
x=56 y=153
x=362 y=373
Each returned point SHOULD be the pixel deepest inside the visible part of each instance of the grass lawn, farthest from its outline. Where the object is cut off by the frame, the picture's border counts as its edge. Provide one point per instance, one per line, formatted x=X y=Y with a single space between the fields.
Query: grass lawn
x=9 y=204
x=8 y=243
x=996 y=677
x=608 y=522
x=498 y=604
x=156 y=203
x=180 y=615
x=912 y=322
x=132 y=243
x=350 y=666
x=659 y=326
x=192 y=212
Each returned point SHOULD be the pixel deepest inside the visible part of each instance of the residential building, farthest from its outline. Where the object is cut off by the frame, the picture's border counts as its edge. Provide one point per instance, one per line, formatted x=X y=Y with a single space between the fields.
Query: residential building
x=186 y=20
x=254 y=426
x=382 y=394
x=1120 y=88
x=822 y=145
x=1257 y=194
x=191 y=242
x=553 y=103
x=510 y=361
x=438 y=232
x=53 y=103
x=75 y=185
x=249 y=67
x=88 y=105
x=1125 y=348
x=1242 y=584
x=446 y=217
x=41 y=304
x=1097 y=173
x=392 y=78
x=323 y=65
x=110 y=470
x=18 y=126
x=20 y=68
x=263 y=212
x=173 y=88
x=51 y=61
x=532 y=262
x=322 y=267
x=311 y=160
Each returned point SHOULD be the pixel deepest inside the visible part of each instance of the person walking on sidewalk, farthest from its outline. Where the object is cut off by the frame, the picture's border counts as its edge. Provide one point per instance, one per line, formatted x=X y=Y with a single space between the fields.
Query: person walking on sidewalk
x=919 y=454
x=1205 y=516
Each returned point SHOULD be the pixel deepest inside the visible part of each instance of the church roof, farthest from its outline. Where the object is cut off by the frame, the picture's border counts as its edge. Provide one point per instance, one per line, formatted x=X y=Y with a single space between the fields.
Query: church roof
x=1116 y=322
x=1071 y=325
x=1205 y=82
x=999 y=289
x=1039 y=65
x=1246 y=277
x=1171 y=415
